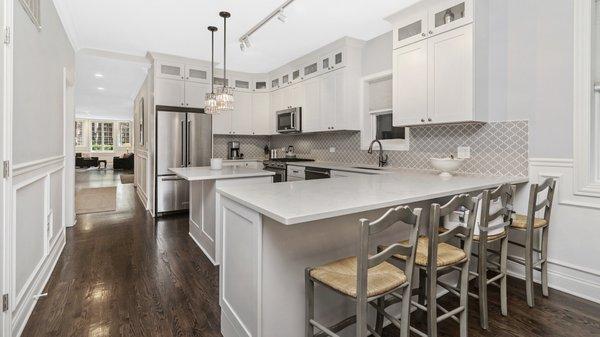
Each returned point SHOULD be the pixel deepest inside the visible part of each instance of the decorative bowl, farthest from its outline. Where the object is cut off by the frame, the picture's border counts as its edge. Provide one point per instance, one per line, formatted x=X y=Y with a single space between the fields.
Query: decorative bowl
x=446 y=165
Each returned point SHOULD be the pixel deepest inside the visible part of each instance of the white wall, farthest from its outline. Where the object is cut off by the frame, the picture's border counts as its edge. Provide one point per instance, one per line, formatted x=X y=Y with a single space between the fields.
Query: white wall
x=42 y=103
x=141 y=163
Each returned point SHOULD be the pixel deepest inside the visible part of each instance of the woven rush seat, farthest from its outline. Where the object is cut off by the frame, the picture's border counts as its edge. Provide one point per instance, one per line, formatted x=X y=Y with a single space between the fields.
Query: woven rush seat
x=520 y=222
x=447 y=254
x=492 y=237
x=341 y=275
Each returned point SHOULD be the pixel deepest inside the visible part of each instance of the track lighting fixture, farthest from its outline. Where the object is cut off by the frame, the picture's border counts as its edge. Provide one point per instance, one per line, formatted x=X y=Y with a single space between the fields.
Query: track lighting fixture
x=279 y=13
x=281 y=16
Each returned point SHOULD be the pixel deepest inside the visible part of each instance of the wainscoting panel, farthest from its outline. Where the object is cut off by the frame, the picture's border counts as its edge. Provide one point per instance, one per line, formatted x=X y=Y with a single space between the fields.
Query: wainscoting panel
x=140 y=172
x=573 y=246
x=37 y=233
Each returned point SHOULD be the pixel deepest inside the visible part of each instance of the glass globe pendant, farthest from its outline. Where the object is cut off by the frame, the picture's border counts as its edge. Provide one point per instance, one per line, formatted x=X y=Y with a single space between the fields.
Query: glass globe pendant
x=210 y=99
x=225 y=93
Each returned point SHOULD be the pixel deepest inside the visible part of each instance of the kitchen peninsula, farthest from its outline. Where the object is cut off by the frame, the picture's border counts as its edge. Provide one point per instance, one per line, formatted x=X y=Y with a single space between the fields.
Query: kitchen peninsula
x=271 y=233
x=205 y=202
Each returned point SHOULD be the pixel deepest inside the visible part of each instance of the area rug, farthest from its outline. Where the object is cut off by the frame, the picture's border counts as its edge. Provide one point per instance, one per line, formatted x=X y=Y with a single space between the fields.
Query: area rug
x=94 y=200
x=126 y=178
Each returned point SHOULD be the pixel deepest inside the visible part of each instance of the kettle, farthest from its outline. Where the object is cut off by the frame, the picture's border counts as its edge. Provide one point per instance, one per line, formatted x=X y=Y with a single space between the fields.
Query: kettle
x=289 y=153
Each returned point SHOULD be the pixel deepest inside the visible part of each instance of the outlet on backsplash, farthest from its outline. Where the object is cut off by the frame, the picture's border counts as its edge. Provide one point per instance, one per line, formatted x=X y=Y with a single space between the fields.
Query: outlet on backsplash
x=332 y=149
x=464 y=152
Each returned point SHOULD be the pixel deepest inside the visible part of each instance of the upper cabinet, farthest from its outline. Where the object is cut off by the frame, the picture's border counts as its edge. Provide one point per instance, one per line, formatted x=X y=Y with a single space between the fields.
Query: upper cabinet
x=441 y=63
x=170 y=70
x=197 y=74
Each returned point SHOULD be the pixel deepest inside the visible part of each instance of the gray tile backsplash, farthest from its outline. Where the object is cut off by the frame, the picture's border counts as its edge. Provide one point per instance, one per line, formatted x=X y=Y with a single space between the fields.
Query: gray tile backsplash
x=497 y=148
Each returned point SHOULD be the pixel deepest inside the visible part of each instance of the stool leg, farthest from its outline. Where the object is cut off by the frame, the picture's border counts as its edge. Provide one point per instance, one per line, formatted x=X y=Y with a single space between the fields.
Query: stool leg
x=464 y=300
x=422 y=285
x=432 y=301
x=310 y=304
x=379 y=320
x=545 y=263
x=405 y=315
x=503 y=280
x=482 y=278
x=529 y=269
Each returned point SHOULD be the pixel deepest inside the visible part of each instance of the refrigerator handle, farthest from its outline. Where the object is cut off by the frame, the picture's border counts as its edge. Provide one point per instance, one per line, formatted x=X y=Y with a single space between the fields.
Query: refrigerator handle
x=187 y=145
x=182 y=143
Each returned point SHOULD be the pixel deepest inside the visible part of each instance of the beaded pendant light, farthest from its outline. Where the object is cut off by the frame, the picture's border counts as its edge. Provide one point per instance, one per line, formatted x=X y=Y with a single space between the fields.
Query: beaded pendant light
x=210 y=100
x=225 y=93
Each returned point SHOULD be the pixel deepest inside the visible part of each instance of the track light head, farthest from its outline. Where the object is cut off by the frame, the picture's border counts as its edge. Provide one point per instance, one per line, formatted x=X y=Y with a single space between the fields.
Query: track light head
x=281 y=16
x=245 y=43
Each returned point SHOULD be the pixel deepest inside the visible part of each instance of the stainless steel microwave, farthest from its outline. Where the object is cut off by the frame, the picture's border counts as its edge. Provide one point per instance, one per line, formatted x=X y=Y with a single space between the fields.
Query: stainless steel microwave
x=289 y=120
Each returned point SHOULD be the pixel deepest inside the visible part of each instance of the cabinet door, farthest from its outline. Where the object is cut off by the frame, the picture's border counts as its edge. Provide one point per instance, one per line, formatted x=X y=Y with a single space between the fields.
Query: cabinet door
x=450 y=14
x=242 y=113
x=310 y=70
x=169 y=92
x=311 y=119
x=197 y=74
x=275 y=103
x=261 y=114
x=410 y=30
x=222 y=123
x=195 y=94
x=410 y=84
x=338 y=59
x=174 y=71
x=328 y=99
x=297 y=95
x=451 y=76
x=242 y=85
x=286 y=99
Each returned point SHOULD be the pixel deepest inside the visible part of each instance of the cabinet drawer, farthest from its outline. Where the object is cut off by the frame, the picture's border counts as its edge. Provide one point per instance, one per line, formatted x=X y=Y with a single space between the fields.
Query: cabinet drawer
x=295 y=171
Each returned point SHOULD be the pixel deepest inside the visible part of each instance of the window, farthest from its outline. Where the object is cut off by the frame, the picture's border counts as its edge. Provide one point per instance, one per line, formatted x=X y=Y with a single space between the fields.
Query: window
x=102 y=136
x=32 y=8
x=385 y=130
x=124 y=135
x=78 y=133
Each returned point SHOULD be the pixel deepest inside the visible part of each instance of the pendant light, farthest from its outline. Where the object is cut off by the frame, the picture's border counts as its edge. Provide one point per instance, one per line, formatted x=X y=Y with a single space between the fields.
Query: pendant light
x=210 y=100
x=225 y=94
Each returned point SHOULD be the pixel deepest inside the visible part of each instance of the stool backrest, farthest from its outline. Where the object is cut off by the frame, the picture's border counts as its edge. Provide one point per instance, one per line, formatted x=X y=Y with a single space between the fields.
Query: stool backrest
x=505 y=194
x=535 y=205
x=438 y=212
x=402 y=214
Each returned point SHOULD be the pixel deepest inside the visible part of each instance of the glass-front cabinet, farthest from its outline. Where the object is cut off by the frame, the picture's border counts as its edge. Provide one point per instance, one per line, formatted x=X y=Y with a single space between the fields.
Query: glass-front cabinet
x=260 y=85
x=410 y=30
x=449 y=15
x=197 y=74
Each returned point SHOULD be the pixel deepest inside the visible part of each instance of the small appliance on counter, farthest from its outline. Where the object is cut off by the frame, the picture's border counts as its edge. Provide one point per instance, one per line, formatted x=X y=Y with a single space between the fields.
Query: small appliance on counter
x=233 y=150
x=289 y=153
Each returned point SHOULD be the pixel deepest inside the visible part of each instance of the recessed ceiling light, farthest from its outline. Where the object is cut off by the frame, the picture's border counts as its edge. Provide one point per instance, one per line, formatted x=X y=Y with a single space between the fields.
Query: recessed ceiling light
x=101 y=88
x=98 y=75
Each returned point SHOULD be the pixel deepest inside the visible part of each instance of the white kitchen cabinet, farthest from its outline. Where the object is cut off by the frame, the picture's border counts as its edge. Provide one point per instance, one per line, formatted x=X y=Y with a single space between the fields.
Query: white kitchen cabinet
x=197 y=74
x=195 y=93
x=170 y=92
x=331 y=96
x=410 y=90
x=296 y=93
x=311 y=110
x=170 y=70
x=242 y=114
x=450 y=69
x=448 y=15
x=261 y=114
x=286 y=98
x=222 y=123
x=410 y=29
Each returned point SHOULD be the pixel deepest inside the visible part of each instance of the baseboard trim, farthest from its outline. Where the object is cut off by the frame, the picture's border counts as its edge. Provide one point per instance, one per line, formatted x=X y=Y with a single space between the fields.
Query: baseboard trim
x=48 y=266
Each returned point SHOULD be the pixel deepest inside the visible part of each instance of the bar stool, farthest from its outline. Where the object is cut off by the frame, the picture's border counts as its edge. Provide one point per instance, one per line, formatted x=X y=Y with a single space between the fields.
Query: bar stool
x=528 y=223
x=435 y=257
x=495 y=213
x=365 y=278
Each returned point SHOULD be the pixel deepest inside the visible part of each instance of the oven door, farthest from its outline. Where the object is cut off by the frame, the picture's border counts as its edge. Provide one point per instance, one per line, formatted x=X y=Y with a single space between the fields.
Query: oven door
x=312 y=173
x=287 y=121
x=280 y=175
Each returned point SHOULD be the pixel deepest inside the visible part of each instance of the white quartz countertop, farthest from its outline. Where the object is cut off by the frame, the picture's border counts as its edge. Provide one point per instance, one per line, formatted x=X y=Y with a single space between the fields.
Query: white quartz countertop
x=301 y=201
x=227 y=172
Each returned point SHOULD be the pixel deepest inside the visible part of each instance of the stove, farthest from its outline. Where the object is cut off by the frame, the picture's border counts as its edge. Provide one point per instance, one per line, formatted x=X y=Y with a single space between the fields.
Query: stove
x=279 y=166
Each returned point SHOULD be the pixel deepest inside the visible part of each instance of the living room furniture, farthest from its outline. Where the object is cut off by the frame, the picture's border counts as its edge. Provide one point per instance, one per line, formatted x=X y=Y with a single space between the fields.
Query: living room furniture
x=83 y=162
x=103 y=161
x=123 y=163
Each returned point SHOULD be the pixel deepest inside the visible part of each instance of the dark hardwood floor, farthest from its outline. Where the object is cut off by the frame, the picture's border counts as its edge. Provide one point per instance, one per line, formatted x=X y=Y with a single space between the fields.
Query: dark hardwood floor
x=123 y=275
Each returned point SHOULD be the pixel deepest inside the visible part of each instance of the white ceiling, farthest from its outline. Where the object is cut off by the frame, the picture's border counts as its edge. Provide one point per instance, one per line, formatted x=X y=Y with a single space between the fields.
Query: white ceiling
x=178 y=27
x=120 y=76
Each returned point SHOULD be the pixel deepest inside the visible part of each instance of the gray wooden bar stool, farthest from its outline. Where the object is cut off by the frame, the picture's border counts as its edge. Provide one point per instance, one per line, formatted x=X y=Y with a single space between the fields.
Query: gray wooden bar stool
x=529 y=223
x=365 y=278
x=436 y=257
x=496 y=210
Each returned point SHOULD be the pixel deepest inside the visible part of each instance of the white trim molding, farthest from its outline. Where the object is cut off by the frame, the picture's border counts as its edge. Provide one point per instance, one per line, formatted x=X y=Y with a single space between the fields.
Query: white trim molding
x=585 y=181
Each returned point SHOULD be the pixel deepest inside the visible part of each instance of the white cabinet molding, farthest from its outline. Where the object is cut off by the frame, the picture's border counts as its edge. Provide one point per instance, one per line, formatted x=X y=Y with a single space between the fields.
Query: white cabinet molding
x=585 y=183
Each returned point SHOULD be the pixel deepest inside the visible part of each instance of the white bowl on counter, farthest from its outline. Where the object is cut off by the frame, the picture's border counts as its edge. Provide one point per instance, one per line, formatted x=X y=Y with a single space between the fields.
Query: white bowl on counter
x=446 y=165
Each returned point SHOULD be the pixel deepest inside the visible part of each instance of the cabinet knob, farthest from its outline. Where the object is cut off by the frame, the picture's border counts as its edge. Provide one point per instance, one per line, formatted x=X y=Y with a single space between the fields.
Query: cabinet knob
x=431 y=32
x=423 y=34
x=429 y=119
x=422 y=120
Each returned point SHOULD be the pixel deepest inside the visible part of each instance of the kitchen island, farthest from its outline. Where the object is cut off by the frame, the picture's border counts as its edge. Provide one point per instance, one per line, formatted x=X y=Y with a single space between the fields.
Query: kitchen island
x=205 y=201
x=272 y=233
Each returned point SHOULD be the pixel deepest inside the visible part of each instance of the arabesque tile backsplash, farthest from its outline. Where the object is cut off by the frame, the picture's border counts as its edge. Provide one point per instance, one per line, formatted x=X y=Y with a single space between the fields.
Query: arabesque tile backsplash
x=497 y=148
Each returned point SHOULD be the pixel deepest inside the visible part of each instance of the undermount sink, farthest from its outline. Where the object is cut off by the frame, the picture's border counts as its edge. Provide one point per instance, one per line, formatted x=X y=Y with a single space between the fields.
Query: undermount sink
x=367 y=168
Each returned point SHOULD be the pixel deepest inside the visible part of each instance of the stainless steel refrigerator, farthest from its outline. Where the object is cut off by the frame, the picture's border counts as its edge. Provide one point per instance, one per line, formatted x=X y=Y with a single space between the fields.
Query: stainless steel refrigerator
x=183 y=139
